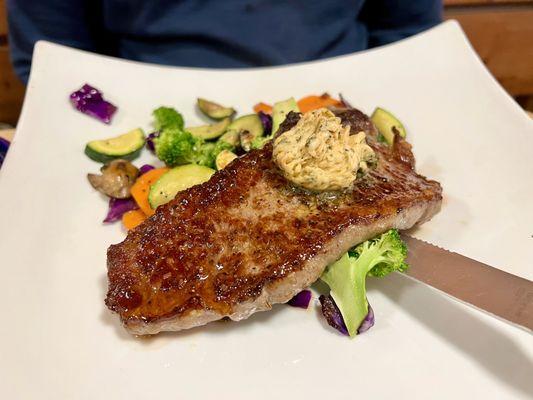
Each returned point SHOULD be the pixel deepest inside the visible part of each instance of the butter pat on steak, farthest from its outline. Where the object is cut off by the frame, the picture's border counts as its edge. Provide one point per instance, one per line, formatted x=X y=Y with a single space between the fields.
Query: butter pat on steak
x=247 y=238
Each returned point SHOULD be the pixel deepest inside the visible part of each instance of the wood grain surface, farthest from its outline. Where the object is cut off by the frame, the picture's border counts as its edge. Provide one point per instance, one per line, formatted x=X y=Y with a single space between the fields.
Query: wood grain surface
x=3 y=20
x=503 y=38
x=11 y=90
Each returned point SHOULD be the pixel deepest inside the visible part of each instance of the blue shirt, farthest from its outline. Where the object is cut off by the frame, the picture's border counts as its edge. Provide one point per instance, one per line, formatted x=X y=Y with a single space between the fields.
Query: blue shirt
x=215 y=33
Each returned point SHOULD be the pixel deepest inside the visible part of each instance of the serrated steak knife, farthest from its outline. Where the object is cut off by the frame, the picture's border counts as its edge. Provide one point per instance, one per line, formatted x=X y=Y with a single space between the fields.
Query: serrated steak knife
x=480 y=285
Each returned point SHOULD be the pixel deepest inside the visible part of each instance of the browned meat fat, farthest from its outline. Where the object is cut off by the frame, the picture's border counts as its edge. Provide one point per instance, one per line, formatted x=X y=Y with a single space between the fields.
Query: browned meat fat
x=247 y=238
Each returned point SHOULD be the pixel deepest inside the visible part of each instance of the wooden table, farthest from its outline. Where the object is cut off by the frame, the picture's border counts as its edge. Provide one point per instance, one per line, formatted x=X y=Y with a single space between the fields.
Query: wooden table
x=11 y=89
x=501 y=31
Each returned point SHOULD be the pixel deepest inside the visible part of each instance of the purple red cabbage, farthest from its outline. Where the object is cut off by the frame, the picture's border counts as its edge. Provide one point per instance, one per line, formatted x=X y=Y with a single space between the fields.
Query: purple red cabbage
x=90 y=101
x=4 y=146
x=117 y=208
x=150 y=145
x=368 y=322
x=333 y=315
x=145 y=168
x=301 y=300
x=266 y=120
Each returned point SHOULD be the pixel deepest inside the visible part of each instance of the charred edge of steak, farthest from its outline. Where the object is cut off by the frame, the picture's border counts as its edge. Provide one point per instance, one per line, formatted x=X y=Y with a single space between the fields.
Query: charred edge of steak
x=357 y=120
x=290 y=121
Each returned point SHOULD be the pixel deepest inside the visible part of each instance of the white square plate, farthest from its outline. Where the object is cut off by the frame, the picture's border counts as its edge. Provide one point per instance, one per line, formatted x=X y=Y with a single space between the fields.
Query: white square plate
x=58 y=341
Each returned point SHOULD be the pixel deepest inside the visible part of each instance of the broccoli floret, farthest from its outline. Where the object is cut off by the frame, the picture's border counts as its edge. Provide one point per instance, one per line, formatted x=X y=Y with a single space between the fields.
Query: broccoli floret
x=207 y=152
x=203 y=153
x=167 y=117
x=175 y=146
x=393 y=249
x=346 y=278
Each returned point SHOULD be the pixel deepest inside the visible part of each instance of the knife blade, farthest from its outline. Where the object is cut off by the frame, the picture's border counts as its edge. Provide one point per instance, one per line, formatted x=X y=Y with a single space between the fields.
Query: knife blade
x=487 y=288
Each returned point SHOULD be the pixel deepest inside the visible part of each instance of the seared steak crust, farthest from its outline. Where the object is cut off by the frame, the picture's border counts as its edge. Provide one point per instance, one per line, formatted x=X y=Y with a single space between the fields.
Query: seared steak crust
x=247 y=238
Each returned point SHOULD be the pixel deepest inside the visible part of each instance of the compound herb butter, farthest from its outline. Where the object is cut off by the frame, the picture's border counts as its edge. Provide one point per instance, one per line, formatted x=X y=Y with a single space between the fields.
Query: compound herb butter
x=319 y=154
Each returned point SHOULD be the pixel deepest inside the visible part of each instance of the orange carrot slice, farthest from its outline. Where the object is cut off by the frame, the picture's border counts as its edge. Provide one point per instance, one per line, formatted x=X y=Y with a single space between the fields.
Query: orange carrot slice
x=131 y=219
x=267 y=109
x=141 y=188
x=310 y=103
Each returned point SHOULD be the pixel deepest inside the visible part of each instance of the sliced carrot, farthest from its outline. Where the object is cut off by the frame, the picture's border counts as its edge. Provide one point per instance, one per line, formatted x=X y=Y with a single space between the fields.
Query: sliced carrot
x=310 y=103
x=131 y=219
x=141 y=188
x=267 y=109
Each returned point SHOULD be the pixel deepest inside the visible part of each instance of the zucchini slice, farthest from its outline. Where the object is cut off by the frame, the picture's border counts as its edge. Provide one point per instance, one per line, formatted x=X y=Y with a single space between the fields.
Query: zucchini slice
x=280 y=111
x=127 y=146
x=212 y=131
x=231 y=137
x=246 y=128
x=176 y=180
x=387 y=124
x=214 y=110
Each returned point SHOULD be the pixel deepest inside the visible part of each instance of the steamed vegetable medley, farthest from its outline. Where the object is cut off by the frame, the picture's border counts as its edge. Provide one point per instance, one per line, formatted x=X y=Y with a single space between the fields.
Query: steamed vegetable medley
x=192 y=154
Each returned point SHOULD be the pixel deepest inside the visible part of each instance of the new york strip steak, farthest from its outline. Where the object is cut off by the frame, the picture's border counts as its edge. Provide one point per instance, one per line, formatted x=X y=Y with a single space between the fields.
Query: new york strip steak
x=247 y=238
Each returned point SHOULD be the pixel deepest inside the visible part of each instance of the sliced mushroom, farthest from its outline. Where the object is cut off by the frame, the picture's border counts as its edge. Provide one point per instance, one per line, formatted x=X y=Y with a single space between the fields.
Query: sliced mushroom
x=224 y=158
x=116 y=180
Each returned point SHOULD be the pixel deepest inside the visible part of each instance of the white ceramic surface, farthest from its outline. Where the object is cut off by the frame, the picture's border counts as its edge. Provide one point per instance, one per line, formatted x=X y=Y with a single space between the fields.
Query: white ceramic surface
x=58 y=341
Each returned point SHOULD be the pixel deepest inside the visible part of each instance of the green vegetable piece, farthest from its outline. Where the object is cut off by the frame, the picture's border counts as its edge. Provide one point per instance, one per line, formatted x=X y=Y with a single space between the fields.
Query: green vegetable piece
x=167 y=117
x=224 y=158
x=388 y=125
x=214 y=110
x=212 y=131
x=230 y=137
x=346 y=278
x=259 y=142
x=127 y=146
x=280 y=111
x=206 y=153
x=175 y=146
x=176 y=180
x=247 y=128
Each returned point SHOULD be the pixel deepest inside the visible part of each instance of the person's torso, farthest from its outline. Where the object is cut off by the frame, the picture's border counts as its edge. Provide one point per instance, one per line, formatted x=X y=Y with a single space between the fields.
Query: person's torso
x=233 y=33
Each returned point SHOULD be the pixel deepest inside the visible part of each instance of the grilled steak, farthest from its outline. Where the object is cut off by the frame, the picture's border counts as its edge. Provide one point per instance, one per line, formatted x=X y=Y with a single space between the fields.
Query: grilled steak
x=247 y=238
